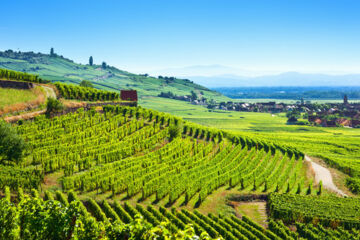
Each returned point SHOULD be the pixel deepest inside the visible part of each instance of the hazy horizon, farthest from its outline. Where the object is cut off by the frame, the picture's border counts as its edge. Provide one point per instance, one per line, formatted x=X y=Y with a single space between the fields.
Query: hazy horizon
x=144 y=36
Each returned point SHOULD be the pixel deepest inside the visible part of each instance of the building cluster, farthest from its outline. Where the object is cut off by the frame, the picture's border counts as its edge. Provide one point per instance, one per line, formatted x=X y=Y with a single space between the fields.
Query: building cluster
x=270 y=107
x=341 y=114
x=326 y=114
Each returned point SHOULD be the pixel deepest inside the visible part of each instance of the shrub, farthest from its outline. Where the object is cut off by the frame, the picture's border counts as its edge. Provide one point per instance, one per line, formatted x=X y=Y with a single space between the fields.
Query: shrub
x=174 y=132
x=12 y=145
x=52 y=106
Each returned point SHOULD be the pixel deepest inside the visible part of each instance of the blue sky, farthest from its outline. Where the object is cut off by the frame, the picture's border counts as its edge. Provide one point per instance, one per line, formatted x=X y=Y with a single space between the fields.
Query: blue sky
x=291 y=35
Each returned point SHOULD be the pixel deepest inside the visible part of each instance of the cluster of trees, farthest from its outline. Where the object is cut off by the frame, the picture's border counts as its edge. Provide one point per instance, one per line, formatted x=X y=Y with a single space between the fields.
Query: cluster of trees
x=85 y=93
x=167 y=94
x=21 y=76
x=293 y=116
x=86 y=83
x=193 y=96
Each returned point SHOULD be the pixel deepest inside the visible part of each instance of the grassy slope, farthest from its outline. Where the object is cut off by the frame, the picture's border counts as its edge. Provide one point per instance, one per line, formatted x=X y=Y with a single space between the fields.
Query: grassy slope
x=10 y=96
x=61 y=69
x=339 y=144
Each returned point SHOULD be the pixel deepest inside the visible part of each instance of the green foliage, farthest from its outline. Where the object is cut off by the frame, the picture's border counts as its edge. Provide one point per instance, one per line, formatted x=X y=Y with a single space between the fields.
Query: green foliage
x=16 y=176
x=67 y=71
x=21 y=76
x=37 y=219
x=309 y=190
x=53 y=106
x=320 y=188
x=34 y=218
x=338 y=147
x=86 y=83
x=12 y=146
x=61 y=198
x=85 y=93
x=91 y=60
x=174 y=132
x=293 y=116
x=108 y=146
x=291 y=208
x=353 y=184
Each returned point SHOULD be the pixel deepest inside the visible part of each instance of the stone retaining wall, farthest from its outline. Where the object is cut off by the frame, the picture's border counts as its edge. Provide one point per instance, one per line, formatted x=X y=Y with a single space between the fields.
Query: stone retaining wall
x=16 y=84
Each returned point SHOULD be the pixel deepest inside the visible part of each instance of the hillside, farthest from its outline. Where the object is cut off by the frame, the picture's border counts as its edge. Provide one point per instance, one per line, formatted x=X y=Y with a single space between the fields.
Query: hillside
x=107 y=168
x=34 y=217
x=115 y=167
x=58 y=68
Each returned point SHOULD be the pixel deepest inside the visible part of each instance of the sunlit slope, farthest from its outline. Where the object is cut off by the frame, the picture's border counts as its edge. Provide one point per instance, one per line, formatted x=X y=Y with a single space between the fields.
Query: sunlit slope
x=58 y=68
x=134 y=153
x=339 y=147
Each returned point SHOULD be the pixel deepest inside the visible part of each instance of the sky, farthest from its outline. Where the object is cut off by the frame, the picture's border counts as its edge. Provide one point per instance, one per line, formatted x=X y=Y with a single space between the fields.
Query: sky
x=139 y=36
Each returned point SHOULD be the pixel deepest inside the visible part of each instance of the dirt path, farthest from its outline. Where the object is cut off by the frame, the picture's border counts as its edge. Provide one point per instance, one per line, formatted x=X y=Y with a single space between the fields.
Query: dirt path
x=49 y=92
x=324 y=175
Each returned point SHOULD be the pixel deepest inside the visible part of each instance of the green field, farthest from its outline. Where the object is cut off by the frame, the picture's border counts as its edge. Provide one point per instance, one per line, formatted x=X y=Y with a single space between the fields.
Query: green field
x=9 y=96
x=339 y=147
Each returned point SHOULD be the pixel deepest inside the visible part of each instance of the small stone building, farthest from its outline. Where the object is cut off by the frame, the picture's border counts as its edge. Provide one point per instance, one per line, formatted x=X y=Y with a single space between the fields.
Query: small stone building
x=129 y=95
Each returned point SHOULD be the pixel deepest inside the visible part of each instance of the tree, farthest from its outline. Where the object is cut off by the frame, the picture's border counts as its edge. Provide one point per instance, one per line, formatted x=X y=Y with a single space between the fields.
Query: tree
x=193 y=95
x=52 y=52
x=53 y=105
x=293 y=116
x=320 y=188
x=86 y=83
x=91 y=61
x=103 y=65
x=12 y=145
x=174 y=132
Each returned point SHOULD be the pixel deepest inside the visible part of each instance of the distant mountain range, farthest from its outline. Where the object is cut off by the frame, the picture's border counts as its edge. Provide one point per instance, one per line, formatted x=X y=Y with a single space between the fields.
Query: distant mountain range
x=214 y=76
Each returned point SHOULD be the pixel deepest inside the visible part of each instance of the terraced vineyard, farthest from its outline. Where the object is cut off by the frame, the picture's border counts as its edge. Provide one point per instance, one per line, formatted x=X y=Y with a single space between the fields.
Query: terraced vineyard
x=118 y=172
x=114 y=221
x=329 y=211
x=82 y=93
x=134 y=151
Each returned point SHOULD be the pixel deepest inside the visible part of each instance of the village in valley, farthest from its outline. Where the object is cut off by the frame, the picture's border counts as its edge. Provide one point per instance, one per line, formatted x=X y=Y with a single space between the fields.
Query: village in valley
x=345 y=114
